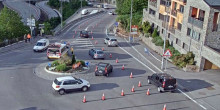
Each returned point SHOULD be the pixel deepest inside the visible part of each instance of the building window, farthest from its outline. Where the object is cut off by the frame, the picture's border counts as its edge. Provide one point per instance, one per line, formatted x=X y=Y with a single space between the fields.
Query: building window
x=185 y=46
x=178 y=42
x=179 y=26
x=162 y=31
x=152 y=12
x=163 y=2
x=181 y=9
x=168 y=35
x=193 y=34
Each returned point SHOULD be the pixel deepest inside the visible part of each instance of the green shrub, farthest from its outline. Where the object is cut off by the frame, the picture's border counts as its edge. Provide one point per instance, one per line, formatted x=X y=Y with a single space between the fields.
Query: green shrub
x=181 y=60
x=61 y=67
x=167 y=44
x=82 y=62
x=146 y=27
x=159 y=41
x=55 y=63
x=155 y=33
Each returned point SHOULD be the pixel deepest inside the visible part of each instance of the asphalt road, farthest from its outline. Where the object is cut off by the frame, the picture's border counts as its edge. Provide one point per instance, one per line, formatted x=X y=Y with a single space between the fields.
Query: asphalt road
x=24 y=9
x=49 y=11
x=22 y=89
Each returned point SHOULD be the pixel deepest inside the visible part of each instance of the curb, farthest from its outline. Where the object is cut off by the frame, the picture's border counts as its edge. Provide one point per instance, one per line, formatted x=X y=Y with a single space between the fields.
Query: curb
x=58 y=73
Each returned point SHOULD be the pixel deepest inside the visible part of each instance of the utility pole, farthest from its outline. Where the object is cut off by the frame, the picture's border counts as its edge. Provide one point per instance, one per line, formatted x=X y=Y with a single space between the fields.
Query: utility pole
x=30 y=17
x=61 y=14
x=130 y=22
x=164 y=38
x=81 y=9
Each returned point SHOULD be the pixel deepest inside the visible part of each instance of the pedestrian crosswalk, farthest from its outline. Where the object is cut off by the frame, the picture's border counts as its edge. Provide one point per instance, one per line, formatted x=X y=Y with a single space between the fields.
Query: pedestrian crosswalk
x=82 y=43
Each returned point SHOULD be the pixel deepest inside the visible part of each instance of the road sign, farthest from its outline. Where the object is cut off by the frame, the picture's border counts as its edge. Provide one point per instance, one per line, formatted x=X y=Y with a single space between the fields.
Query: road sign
x=167 y=53
x=134 y=29
x=146 y=50
x=49 y=64
x=116 y=24
x=30 y=22
x=86 y=63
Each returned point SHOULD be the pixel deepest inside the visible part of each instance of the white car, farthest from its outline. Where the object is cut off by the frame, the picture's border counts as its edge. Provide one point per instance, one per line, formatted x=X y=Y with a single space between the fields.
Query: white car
x=111 y=13
x=112 y=42
x=84 y=11
x=68 y=83
x=41 y=45
x=106 y=40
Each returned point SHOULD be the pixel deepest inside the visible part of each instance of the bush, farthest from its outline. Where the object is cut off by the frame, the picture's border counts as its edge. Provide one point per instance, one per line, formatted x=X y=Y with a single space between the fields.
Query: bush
x=155 y=33
x=146 y=27
x=82 y=62
x=167 y=44
x=61 y=67
x=55 y=63
x=181 y=60
x=159 y=41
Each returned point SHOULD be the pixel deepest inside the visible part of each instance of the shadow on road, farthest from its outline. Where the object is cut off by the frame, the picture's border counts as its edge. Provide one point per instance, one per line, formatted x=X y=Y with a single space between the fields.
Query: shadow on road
x=118 y=72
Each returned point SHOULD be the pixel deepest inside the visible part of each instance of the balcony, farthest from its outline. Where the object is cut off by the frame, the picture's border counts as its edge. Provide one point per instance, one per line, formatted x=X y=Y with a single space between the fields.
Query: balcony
x=153 y=3
x=196 y=22
x=174 y=13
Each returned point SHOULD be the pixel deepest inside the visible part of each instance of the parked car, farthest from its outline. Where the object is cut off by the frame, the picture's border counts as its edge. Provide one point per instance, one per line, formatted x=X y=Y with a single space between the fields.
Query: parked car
x=84 y=11
x=163 y=82
x=69 y=83
x=111 y=13
x=103 y=69
x=106 y=40
x=84 y=34
x=41 y=45
x=112 y=42
x=97 y=53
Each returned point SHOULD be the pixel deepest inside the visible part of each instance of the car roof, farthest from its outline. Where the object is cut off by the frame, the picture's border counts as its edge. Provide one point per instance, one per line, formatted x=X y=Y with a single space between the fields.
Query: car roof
x=103 y=64
x=43 y=40
x=165 y=75
x=65 y=78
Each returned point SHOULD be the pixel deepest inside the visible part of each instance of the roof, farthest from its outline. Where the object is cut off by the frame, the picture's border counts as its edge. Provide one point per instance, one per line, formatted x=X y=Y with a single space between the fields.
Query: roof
x=65 y=78
x=213 y=2
x=164 y=75
x=42 y=40
x=102 y=64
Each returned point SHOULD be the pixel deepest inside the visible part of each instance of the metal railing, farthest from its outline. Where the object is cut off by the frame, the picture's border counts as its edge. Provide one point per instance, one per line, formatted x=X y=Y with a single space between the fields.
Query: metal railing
x=195 y=22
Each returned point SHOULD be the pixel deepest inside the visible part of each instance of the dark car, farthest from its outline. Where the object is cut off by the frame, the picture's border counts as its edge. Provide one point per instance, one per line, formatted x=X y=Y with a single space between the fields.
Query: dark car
x=103 y=69
x=84 y=34
x=163 y=82
x=97 y=53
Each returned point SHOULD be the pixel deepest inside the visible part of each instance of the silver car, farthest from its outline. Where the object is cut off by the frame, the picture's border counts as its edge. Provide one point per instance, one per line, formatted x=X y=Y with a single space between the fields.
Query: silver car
x=106 y=40
x=112 y=42
x=97 y=53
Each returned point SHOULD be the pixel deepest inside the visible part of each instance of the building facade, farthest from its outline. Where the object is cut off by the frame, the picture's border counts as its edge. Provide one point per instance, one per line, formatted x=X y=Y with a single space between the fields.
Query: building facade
x=189 y=25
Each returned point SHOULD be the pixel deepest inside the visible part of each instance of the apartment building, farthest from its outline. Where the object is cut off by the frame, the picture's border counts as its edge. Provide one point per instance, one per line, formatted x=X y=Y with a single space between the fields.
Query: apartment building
x=189 y=25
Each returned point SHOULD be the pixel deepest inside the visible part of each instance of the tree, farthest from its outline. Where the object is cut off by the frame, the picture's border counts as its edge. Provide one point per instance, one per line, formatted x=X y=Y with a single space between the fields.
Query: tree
x=54 y=3
x=11 y=25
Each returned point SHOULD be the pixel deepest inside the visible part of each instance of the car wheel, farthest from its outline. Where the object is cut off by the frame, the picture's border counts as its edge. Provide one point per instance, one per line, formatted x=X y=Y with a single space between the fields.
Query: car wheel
x=84 y=88
x=96 y=75
x=148 y=81
x=158 y=89
x=61 y=92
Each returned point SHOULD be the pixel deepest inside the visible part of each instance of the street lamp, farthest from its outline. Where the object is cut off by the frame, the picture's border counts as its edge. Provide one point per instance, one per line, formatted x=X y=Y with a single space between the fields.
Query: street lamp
x=61 y=18
x=130 y=21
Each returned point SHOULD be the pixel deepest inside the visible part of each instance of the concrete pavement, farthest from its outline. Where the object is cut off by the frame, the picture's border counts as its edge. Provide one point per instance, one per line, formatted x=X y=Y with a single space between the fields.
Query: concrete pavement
x=49 y=11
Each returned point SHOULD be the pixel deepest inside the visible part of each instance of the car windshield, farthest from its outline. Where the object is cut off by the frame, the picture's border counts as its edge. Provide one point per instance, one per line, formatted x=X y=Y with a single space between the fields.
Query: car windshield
x=84 y=32
x=40 y=44
x=57 y=82
x=53 y=50
x=107 y=38
x=113 y=39
x=100 y=52
x=101 y=66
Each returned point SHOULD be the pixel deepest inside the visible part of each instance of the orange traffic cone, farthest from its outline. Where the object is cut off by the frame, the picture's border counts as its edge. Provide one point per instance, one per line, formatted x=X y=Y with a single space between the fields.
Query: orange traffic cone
x=139 y=84
x=92 y=38
x=148 y=92
x=122 y=93
x=116 y=60
x=102 y=48
x=164 y=107
x=123 y=67
x=103 y=96
x=84 y=99
x=131 y=76
x=96 y=42
x=110 y=56
x=132 y=90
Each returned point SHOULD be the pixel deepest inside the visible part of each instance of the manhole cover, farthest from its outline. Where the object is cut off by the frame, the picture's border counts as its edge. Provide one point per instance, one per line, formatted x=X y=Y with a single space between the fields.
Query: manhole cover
x=202 y=93
x=210 y=88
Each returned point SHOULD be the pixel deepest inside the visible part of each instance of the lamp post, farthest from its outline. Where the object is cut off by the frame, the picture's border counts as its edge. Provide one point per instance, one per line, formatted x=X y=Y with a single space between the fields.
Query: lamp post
x=61 y=18
x=164 y=38
x=130 y=22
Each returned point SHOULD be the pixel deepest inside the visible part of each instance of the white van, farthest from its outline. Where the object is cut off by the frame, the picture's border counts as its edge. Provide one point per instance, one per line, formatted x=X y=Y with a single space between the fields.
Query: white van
x=56 y=50
x=41 y=45
x=84 y=11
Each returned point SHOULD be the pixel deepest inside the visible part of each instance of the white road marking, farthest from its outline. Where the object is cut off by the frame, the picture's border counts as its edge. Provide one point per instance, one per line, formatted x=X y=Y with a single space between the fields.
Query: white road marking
x=160 y=70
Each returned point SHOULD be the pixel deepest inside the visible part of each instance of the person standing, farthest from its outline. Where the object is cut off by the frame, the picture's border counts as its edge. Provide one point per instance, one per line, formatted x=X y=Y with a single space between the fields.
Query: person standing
x=72 y=50
x=29 y=37
x=25 y=38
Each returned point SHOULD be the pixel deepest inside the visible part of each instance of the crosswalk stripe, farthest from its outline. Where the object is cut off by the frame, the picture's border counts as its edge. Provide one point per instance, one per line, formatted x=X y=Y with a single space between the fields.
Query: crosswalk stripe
x=84 y=46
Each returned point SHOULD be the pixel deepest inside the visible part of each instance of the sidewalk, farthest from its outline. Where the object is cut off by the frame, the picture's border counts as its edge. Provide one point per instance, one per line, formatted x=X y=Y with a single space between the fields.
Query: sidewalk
x=204 y=87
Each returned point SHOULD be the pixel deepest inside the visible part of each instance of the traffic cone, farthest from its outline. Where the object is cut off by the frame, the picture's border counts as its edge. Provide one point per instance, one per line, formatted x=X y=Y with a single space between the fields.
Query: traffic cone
x=102 y=48
x=123 y=67
x=91 y=32
x=92 y=38
x=139 y=84
x=75 y=32
x=96 y=42
x=131 y=76
x=103 y=96
x=84 y=99
x=110 y=56
x=116 y=60
x=148 y=92
x=164 y=107
x=122 y=93
x=132 y=90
